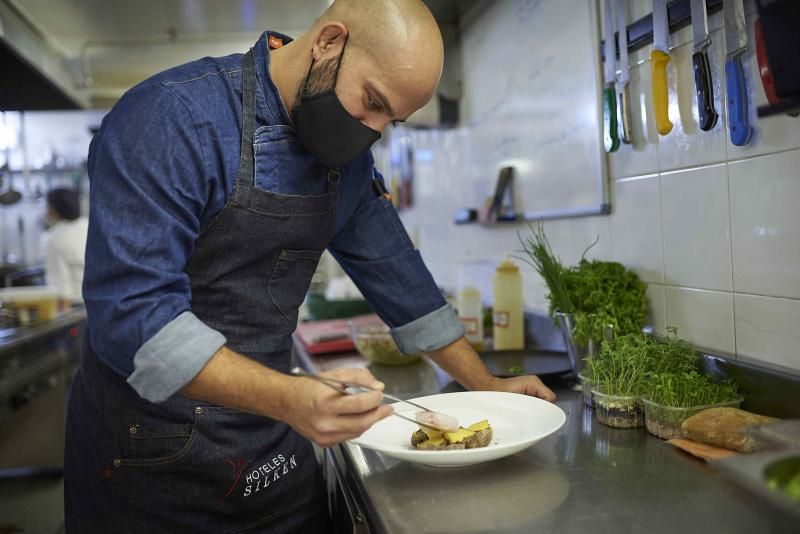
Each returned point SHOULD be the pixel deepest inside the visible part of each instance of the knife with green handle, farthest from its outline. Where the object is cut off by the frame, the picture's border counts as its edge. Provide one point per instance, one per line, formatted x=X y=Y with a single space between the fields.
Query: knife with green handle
x=610 y=135
x=624 y=76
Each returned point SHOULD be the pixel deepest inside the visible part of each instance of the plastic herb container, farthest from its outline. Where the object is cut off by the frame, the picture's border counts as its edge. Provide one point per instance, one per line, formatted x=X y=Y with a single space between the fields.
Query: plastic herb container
x=665 y=421
x=618 y=411
x=586 y=387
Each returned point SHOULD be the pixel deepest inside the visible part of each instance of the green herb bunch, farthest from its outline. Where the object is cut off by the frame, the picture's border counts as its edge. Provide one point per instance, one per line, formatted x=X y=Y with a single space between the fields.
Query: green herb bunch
x=689 y=389
x=541 y=258
x=605 y=293
x=626 y=365
x=597 y=293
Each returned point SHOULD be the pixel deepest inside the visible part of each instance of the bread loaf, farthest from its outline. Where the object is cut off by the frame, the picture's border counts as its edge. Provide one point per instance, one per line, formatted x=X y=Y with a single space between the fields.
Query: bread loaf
x=724 y=427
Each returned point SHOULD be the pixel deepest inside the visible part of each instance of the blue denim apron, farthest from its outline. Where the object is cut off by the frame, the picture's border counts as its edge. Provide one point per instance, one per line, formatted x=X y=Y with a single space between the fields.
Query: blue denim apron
x=183 y=465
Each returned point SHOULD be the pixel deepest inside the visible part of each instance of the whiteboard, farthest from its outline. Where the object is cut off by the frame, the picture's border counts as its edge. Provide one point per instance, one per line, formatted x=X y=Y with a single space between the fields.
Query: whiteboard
x=534 y=102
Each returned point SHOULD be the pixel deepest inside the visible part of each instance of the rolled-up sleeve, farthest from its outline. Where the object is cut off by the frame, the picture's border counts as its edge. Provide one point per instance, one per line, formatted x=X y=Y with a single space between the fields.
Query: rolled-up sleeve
x=148 y=189
x=375 y=251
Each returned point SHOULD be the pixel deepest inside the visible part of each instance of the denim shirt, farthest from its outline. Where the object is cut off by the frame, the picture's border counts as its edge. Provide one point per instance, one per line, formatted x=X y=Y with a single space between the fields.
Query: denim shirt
x=163 y=164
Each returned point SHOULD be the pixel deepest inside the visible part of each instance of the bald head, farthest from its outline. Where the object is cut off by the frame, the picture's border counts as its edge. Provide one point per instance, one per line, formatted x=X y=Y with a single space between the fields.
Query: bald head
x=391 y=57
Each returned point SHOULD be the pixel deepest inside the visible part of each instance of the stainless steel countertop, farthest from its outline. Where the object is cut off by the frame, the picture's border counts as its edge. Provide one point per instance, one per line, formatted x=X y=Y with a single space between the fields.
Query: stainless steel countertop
x=13 y=337
x=586 y=478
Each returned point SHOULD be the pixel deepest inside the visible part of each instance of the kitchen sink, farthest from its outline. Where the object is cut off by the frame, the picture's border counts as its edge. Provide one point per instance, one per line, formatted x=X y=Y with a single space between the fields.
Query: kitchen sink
x=766 y=473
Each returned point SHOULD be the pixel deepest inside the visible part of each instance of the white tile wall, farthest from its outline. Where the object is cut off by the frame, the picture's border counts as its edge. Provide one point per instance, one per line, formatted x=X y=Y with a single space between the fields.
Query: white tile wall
x=696 y=228
x=765 y=219
x=658 y=308
x=767 y=329
x=713 y=228
x=636 y=227
x=705 y=317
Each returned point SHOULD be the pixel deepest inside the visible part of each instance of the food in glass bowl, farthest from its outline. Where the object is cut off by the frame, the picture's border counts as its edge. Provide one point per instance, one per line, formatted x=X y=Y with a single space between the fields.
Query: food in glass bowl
x=374 y=342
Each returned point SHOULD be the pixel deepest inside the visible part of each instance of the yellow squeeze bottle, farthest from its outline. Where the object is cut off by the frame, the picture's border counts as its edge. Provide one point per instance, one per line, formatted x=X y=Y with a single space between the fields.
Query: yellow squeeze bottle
x=508 y=308
x=470 y=313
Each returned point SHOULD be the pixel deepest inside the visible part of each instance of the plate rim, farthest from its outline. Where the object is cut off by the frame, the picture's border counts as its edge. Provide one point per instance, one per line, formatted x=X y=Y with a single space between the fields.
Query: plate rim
x=464 y=454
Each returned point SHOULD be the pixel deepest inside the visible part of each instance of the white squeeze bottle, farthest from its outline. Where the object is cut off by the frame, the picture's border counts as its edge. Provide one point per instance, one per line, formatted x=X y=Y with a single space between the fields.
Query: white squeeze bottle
x=508 y=329
x=470 y=313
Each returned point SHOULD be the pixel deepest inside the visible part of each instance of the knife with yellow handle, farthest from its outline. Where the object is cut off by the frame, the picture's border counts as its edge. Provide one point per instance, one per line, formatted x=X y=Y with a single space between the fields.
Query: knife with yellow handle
x=659 y=58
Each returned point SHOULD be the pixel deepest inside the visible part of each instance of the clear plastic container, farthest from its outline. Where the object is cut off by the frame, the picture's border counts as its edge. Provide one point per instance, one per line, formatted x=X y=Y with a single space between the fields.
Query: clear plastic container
x=586 y=387
x=375 y=343
x=665 y=421
x=618 y=411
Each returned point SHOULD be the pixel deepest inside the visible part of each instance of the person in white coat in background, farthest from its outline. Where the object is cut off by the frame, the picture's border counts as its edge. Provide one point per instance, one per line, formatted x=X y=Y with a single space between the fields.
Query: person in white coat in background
x=64 y=244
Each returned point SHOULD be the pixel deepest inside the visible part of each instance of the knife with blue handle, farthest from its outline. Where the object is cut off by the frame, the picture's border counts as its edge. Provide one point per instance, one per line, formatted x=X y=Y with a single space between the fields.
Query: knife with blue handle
x=735 y=80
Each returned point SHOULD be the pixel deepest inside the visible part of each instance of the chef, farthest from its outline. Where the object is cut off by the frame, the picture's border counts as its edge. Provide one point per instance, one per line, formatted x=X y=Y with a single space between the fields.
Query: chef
x=215 y=188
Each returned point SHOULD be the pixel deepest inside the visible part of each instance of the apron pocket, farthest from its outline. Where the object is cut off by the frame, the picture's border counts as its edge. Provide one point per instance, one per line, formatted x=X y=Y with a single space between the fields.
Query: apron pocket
x=290 y=280
x=158 y=444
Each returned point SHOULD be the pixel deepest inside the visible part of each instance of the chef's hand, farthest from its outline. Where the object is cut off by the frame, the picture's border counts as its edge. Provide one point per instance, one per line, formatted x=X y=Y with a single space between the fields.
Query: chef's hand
x=527 y=385
x=327 y=417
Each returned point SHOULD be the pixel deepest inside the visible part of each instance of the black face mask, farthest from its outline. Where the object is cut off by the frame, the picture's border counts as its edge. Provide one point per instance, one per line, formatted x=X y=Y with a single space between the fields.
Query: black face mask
x=326 y=129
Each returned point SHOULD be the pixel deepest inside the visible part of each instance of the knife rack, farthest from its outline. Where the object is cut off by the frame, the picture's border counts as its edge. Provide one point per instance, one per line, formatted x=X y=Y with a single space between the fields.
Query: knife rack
x=640 y=32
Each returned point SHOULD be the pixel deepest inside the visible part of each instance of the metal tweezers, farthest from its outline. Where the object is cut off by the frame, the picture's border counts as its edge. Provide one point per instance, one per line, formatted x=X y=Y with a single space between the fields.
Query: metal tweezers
x=347 y=388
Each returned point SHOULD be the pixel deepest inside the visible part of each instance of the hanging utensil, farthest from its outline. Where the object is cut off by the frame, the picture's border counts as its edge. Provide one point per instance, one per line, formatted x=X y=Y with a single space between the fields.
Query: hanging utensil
x=9 y=196
x=702 y=71
x=624 y=76
x=436 y=421
x=610 y=135
x=659 y=58
x=736 y=45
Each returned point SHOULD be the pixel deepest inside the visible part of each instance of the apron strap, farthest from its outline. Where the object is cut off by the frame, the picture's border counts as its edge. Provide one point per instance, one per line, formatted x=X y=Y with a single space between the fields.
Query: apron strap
x=246 y=176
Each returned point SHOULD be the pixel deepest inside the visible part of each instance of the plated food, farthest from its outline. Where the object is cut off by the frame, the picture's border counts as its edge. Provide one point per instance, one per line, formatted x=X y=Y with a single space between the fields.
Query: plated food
x=472 y=437
x=516 y=422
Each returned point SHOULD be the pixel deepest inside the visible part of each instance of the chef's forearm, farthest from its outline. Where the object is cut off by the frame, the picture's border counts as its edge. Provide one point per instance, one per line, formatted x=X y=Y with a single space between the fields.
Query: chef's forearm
x=461 y=362
x=230 y=379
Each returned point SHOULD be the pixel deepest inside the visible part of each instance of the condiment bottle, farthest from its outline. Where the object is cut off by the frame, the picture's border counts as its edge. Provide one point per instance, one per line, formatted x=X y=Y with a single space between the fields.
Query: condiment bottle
x=508 y=320
x=470 y=313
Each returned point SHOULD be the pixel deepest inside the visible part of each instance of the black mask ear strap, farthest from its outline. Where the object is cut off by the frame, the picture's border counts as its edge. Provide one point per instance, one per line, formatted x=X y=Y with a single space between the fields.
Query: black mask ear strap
x=341 y=58
x=338 y=66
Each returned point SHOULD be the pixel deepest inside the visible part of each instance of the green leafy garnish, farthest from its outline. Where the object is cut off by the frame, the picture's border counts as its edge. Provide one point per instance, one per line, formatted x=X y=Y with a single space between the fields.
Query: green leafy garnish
x=626 y=364
x=597 y=293
x=688 y=389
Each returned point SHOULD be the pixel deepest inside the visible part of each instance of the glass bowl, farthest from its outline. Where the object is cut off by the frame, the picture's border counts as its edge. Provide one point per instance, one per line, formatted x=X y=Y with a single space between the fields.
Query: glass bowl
x=375 y=343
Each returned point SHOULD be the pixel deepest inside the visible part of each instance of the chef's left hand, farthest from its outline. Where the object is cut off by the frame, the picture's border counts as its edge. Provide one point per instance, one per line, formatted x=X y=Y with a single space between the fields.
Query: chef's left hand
x=526 y=385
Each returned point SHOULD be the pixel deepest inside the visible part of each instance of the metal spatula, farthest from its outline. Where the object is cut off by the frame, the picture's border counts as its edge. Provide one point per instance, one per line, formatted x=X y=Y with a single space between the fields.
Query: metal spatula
x=348 y=388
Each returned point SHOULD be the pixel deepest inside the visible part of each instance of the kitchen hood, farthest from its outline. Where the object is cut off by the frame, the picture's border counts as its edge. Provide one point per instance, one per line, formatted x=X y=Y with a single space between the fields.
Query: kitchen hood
x=34 y=76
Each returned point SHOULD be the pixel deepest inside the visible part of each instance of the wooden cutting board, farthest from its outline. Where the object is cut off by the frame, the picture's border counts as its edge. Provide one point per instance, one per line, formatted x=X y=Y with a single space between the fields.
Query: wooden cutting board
x=708 y=453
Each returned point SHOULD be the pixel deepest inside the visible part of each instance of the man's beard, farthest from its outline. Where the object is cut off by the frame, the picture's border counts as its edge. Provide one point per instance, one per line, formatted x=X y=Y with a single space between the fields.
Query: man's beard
x=321 y=78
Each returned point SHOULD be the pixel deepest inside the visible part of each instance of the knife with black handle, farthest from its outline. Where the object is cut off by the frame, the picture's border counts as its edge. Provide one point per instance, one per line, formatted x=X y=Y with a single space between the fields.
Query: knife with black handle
x=702 y=71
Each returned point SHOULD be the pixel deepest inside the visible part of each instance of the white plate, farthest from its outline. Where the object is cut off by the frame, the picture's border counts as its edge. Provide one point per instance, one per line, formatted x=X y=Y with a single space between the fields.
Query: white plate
x=518 y=421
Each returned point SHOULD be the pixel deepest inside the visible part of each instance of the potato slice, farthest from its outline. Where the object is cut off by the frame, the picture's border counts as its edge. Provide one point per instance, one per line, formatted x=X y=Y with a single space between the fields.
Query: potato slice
x=480 y=425
x=418 y=437
x=438 y=444
x=459 y=436
x=481 y=438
